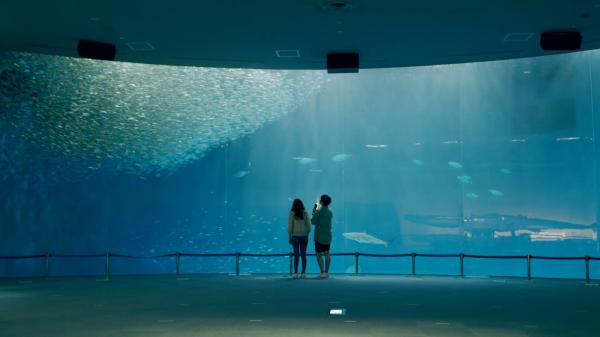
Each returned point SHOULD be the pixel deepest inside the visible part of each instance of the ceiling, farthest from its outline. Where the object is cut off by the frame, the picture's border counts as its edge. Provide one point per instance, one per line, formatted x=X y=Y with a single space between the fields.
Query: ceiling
x=247 y=33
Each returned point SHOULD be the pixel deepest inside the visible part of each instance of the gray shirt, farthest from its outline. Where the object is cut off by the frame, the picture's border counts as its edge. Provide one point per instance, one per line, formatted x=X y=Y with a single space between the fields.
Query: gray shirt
x=298 y=227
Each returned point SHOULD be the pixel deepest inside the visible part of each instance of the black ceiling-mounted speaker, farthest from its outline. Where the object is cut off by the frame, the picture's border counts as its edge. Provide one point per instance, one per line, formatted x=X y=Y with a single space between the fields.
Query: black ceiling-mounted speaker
x=561 y=40
x=96 y=50
x=342 y=63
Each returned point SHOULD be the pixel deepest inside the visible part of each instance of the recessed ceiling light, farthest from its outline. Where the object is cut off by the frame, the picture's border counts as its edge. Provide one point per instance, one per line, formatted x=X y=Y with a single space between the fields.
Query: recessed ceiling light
x=140 y=46
x=285 y=53
x=518 y=37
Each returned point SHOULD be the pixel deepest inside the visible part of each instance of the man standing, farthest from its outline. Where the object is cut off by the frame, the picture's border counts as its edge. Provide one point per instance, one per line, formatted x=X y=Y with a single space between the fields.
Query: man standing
x=322 y=220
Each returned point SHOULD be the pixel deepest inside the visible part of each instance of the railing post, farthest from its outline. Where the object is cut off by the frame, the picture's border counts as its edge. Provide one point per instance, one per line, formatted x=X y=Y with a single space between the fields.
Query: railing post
x=356 y=255
x=107 y=265
x=177 y=263
x=587 y=269
x=291 y=264
x=47 y=266
x=462 y=265
x=237 y=264
x=529 y=267
x=414 y=262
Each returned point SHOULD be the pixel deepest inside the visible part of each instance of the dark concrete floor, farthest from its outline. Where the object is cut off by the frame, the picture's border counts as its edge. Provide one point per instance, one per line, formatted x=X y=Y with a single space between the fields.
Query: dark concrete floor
x=275 y=305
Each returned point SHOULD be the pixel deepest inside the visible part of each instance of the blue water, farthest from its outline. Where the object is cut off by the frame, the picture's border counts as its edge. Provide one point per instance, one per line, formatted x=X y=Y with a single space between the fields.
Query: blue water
x=484 y=158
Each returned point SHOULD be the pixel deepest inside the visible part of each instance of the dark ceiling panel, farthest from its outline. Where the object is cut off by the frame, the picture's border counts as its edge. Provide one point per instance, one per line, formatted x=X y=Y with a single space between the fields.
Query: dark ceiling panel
x=386 y=33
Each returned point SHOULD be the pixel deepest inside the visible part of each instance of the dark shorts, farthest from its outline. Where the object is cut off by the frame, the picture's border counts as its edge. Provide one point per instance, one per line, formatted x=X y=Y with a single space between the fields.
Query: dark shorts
x=320 y=248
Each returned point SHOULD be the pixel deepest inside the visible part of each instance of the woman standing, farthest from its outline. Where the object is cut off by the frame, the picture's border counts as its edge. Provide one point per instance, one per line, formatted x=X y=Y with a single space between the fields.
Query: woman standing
x=298 y=229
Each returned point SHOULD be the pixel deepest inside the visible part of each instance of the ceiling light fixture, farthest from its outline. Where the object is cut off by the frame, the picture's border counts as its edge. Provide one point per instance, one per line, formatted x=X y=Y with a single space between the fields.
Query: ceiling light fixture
x=518 y=37
x=140 y=46
x=287 y=53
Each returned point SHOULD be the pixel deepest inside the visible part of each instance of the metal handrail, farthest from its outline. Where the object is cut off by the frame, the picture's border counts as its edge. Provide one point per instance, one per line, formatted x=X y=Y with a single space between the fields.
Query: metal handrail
x=356 y=255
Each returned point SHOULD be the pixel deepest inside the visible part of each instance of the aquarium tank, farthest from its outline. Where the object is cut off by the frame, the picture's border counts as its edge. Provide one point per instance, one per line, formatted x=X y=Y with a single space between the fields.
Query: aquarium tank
x=490 y=158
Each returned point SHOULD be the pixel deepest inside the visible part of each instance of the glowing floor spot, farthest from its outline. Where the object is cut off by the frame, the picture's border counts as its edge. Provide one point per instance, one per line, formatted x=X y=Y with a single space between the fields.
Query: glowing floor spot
x=337 y=312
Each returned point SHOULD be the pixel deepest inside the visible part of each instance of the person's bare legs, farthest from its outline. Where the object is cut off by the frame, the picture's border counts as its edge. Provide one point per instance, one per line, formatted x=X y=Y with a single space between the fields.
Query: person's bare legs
x=327 y=263
x=303 y=244
x=320 y=262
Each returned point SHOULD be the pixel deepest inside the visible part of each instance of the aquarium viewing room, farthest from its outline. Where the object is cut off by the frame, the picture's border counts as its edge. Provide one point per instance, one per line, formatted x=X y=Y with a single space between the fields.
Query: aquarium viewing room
x=299 y=168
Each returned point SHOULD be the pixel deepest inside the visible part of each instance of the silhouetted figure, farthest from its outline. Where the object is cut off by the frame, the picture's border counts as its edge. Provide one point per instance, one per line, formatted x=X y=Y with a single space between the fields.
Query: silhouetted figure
x=298 y=229
x=322 y=220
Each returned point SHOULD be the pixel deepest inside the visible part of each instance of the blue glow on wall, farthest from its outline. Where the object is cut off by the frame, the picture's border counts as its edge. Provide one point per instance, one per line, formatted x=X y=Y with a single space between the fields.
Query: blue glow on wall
x=482 y=158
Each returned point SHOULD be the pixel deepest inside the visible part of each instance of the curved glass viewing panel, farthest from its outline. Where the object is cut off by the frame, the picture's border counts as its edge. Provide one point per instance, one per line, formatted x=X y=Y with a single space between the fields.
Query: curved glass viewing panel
x=482 y=158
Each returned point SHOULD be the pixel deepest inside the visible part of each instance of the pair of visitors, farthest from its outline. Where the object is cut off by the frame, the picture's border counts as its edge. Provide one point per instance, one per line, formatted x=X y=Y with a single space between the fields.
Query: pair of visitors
x=299 y=228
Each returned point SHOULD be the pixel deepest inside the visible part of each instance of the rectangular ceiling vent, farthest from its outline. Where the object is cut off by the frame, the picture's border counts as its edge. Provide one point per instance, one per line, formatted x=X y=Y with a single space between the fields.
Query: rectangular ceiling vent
x=287 y=53
x=518 y=37
x=140 y=46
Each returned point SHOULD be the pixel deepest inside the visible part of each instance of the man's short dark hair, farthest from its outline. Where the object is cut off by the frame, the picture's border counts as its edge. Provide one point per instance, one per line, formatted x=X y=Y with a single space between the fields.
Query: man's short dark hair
x=325 y=200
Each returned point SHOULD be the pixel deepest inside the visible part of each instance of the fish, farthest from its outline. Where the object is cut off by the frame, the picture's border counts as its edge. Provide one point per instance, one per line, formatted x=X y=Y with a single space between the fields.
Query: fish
x=505 y=171
x=455 y=164
x=364 y=237
x=138 y=125
x=558 y=234
x=305 y=160
x=417 y=162
x=240 y=174
x=562 y=139
x=341 y=157
x=472 y=195
x=496 y=193
x=464 y=179
x=376 y=146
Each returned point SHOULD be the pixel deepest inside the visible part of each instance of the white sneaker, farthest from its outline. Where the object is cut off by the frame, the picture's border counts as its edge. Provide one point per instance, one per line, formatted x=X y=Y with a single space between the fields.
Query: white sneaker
x=302 y=275
x=294 y=275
